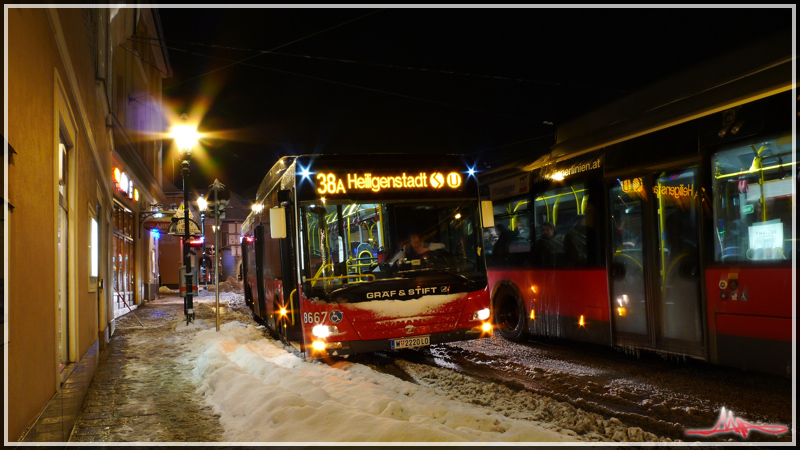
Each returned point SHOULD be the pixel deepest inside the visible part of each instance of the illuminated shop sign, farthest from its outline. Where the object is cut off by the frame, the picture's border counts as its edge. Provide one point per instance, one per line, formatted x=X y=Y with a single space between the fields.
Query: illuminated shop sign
x=125 y=185
x=332 y=183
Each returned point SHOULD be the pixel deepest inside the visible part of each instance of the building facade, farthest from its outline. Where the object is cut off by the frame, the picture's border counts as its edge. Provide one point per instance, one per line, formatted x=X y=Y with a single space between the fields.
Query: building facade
x=83 y=160
x=230 y=254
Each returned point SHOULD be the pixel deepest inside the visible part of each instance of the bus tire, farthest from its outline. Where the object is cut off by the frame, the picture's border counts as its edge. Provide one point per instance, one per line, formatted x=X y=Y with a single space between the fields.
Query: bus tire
x=509 y=316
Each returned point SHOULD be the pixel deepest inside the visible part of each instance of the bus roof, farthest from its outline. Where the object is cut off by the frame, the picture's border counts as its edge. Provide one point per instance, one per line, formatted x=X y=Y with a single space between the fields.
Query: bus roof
x=742 y=76
x=756 y=71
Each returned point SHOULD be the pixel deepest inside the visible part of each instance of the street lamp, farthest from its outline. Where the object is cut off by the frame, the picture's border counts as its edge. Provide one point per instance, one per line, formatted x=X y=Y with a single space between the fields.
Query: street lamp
x=202 y=205
x=186 y=137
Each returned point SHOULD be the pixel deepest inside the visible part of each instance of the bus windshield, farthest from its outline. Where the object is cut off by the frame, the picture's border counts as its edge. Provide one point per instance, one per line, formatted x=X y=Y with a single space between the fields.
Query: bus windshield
x=348 y=243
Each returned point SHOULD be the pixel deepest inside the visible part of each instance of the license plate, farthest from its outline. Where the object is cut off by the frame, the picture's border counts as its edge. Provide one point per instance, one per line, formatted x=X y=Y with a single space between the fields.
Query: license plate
x=411 y=342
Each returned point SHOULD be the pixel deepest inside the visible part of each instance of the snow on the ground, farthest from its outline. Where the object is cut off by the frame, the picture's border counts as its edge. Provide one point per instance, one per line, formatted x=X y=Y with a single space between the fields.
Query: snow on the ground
x=265 y=393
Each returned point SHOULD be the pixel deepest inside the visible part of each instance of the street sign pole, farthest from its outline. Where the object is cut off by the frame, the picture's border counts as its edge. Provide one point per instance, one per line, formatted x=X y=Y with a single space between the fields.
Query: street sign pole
x=216 y=243
x=187 y=259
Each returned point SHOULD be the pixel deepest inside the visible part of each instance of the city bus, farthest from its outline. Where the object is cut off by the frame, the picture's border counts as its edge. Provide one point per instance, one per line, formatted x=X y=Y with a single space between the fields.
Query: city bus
x=351 y=254
x=662 y=222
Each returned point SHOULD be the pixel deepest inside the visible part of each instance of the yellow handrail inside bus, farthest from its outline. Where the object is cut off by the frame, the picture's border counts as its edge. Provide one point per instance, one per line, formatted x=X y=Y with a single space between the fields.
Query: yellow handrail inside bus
x=661 y=221
x=757 y=165
x=745 y=172
x=619 y=253
x=380 y=232
x=680 y=257
x=321 y=268
x=555 y=208
x=358 y=265
x=577 y=200
x=342 y=277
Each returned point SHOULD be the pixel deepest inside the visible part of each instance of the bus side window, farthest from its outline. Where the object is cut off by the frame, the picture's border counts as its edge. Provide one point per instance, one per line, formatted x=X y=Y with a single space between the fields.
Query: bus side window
x=753 y=202
x=509 y=241
x=569 y=212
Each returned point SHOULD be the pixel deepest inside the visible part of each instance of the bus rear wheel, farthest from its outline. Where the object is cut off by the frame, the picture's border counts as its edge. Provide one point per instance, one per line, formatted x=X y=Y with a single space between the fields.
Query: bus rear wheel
x=509 y=316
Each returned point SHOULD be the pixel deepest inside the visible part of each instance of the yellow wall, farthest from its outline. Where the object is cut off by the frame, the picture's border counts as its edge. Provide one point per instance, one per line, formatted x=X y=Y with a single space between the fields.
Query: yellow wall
x=35 y=70
x=30 y=306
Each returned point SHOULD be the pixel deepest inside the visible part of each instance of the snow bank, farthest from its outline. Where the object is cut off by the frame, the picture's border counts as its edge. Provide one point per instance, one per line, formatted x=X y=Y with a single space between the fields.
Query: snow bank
x=263 y=393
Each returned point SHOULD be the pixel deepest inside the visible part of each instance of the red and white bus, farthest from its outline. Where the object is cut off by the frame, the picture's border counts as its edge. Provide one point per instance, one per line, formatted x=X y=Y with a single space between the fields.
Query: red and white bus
x=672 y=212
x=352 y=254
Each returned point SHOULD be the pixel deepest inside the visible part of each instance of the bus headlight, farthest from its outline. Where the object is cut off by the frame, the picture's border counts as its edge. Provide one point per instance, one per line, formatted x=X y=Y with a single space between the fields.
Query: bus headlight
x=482 y=314
x=323 y=331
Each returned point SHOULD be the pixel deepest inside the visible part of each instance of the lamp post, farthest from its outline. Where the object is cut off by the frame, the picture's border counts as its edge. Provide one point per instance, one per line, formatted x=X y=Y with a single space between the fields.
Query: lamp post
x=186 y=137
x=202 y=205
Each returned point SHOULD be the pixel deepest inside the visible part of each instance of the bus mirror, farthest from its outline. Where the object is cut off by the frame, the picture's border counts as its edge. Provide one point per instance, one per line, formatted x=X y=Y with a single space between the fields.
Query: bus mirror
x=277 y=223
x=487 y=213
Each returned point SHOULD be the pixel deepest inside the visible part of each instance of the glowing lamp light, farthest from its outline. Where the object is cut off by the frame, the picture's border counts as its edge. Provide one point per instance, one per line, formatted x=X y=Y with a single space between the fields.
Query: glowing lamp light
x=283 y=311
x=486 y=327
x=202 y=204
x=533 y=315
x=318 y=345
x=185 y=136
x=305 y=173
x=622 y=311
x=581 y=321
x=458 y=215
x=471 y=171
x=484 y=314
x=558 y=176
x=321 y=331
x=257 y=208
x=156 y=234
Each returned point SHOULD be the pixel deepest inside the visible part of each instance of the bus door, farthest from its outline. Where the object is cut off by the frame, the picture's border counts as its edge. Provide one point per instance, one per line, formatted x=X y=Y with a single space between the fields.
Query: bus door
x=286 y=272
x=258 y=295
x=654 y=274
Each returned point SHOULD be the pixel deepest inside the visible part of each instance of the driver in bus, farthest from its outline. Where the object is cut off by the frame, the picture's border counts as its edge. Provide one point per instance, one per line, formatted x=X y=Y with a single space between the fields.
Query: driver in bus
x=415 y=247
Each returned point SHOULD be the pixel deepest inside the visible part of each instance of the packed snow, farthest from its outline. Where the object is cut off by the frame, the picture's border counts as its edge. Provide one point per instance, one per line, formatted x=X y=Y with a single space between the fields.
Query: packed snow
x=264 y=392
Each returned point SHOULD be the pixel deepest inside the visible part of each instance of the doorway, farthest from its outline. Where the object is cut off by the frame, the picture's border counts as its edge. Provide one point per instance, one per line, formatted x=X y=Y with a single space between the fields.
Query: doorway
x=654 y=275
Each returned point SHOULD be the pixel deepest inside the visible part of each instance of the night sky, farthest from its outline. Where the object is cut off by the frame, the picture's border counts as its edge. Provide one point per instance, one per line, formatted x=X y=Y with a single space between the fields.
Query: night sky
x=487 y=82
